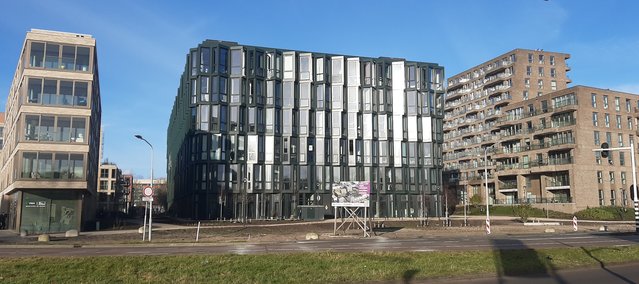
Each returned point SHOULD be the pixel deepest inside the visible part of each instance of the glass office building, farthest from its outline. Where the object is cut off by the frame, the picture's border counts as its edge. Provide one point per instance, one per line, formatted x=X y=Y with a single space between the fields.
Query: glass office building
x=52 y=135
x=256 y=132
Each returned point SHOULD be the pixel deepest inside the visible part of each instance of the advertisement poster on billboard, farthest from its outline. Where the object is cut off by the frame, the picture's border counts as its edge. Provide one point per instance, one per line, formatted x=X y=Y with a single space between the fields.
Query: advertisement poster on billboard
x=352 y=194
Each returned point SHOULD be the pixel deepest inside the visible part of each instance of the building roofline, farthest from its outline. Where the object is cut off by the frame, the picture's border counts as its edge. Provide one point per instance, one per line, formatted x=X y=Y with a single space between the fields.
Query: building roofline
x=502 y=55
x=42 y=31
x=233 y=43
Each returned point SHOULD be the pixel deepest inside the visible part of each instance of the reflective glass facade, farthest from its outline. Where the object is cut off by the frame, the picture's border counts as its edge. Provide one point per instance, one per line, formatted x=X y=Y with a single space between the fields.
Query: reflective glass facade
x=257 y=131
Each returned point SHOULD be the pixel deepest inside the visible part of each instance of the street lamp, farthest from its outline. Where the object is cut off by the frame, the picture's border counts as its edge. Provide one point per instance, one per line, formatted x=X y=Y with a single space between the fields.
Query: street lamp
x=151 y=202
x=487 y=197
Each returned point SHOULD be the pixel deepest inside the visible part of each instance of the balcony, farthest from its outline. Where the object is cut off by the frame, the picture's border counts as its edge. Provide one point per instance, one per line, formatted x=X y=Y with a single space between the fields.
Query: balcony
x=538 y=200
x=535 y=164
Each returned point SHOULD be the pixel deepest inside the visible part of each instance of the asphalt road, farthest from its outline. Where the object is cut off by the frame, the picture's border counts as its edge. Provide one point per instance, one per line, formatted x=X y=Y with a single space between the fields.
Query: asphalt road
x=450 y=243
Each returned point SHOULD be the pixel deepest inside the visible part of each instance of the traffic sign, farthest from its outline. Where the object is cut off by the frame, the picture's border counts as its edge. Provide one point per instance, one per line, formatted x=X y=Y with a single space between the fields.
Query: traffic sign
x=147 y=198
x=148 y=191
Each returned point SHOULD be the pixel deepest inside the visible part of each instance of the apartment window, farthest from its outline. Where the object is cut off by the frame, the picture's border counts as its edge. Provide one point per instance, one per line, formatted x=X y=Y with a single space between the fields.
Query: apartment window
x=594 y=100
x=622 y=159
x=305 y=94
x=527 y=82
x=599 y=177
x=628 y=105
x=612 y=197
x=553 y=85
x=540 y=84
x=237 y=62
x=552 y=60
x=541 y=71
x=52 y=166
x=598 y=158
x=617 y=104
x=528 y=71
x=620 y=136
x=629 y=121
x=618 y=120
x=605 y=102
x=601 y=197
x=595 y=119
x=55 y=92
x=553 y=73
x=541 y=59
x=223 y=60
x=319 y=69
x=205 y=59
x=204 y=88
x=530 y=58
x=624 y=197
x=525 y=95
x=305 y=67
x=337 y=69
x=623 y=178
x=54 y=56
x=611 y=176
x=607 y=119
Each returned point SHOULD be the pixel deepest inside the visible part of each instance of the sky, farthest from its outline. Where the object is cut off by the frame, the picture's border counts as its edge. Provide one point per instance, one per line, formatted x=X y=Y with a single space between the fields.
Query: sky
x=142 y=45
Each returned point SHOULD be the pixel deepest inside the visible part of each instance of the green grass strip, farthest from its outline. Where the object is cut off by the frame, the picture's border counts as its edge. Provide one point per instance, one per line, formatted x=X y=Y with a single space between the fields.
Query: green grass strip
x=321 y=267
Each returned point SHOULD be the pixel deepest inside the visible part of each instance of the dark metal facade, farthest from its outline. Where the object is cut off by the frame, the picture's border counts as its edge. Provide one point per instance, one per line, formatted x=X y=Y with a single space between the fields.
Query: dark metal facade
x=255 y=132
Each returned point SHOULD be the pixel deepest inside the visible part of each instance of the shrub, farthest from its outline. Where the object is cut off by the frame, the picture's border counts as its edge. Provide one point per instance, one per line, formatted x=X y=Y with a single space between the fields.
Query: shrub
x=523 y=211
x=608 y=213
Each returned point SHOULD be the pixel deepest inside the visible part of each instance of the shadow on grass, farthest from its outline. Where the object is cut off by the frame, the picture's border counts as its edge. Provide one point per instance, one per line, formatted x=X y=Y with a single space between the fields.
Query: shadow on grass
x=513 y=258
x=603 y=266
x=409 y=275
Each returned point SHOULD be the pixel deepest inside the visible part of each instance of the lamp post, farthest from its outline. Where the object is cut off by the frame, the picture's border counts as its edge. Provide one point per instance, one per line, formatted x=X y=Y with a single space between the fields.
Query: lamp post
x=150 y=202
x=487 y=196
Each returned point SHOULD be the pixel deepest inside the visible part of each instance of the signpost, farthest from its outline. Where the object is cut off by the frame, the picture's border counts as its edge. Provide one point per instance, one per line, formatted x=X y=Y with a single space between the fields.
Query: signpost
x=148 y=203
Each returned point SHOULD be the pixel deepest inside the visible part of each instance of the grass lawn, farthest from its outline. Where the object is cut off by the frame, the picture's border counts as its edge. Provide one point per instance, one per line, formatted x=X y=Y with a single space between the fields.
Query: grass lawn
x=323 y=267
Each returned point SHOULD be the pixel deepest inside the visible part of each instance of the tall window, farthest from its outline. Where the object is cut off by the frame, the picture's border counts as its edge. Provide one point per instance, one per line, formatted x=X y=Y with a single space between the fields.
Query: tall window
x=595 y=119
x=594 y=100
x=599 y=177
x=205 y=60
x=597 y=138
x=605 y=101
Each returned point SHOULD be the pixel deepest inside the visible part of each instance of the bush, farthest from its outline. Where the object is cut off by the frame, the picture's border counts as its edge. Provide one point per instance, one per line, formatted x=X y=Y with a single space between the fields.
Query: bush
x=523 y=211
x=475 y=200
x=608 y=213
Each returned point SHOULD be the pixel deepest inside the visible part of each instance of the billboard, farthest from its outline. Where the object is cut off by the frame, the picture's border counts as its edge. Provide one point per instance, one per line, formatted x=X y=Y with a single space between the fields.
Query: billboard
x=352 y=194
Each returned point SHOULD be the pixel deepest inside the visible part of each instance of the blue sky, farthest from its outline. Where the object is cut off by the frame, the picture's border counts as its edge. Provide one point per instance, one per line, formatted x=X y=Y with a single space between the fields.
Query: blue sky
x=142 y=45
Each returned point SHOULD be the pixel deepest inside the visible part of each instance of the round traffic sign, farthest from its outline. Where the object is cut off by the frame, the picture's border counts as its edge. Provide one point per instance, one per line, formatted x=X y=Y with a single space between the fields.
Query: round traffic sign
x=148 y=191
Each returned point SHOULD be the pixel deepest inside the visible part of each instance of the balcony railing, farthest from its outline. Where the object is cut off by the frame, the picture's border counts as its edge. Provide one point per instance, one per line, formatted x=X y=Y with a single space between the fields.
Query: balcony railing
x=536 y=163
x=538 y=200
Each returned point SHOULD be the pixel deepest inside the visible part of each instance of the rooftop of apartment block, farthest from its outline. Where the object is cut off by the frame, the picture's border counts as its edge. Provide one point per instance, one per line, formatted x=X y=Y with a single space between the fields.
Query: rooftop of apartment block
x=232 y=43
x=514 y=51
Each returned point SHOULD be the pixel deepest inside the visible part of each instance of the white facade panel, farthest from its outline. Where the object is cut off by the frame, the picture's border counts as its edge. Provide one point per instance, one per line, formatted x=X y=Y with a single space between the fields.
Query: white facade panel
x=269 y=144
x=252 y=149
x=368 y=126
x=398 y=88
x=412 y=128
x=397 y=128
x=427 y=129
